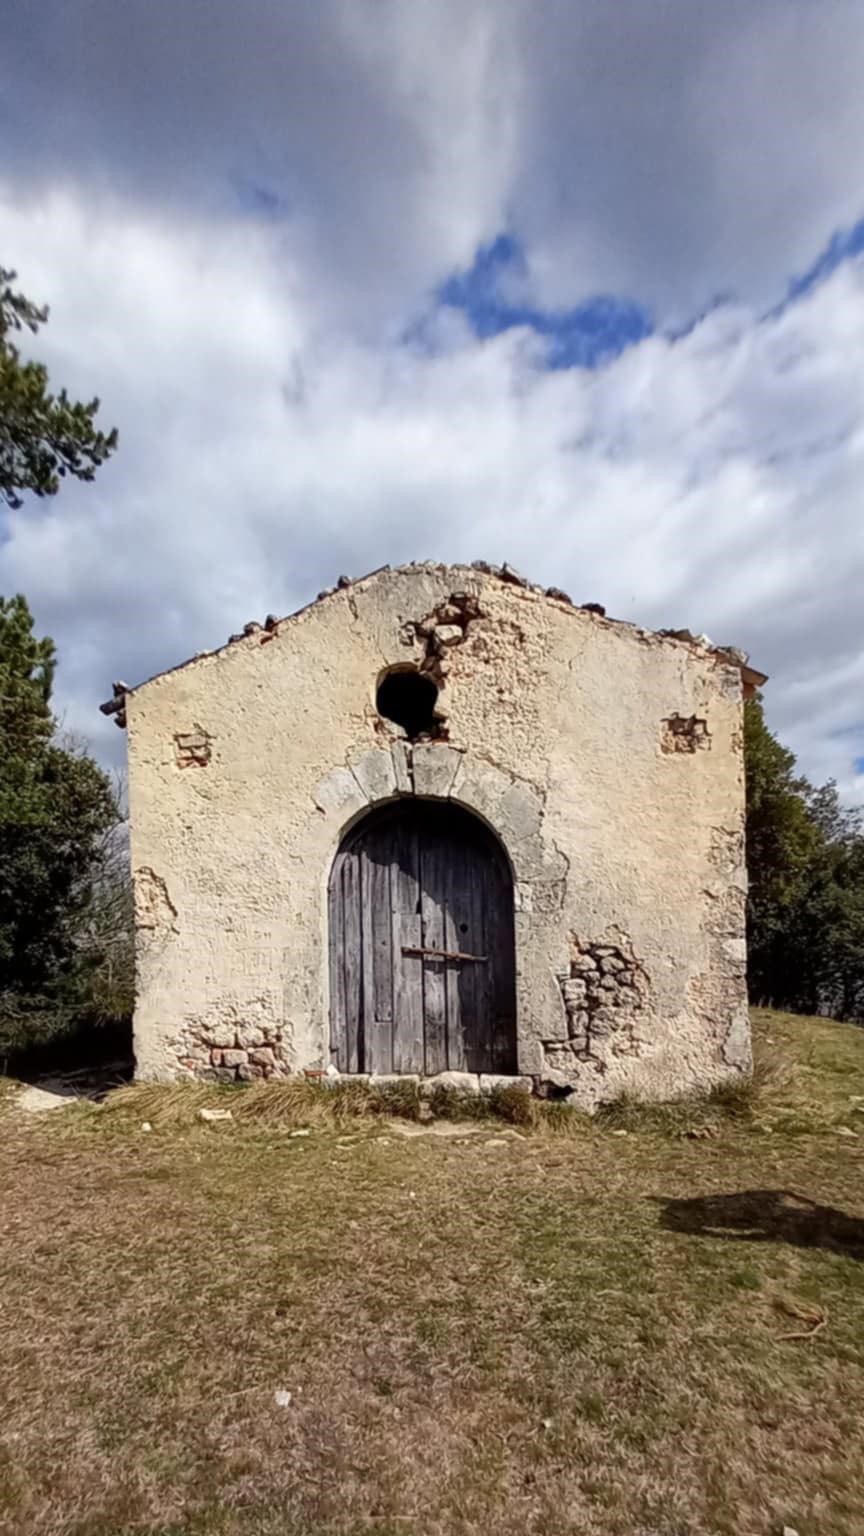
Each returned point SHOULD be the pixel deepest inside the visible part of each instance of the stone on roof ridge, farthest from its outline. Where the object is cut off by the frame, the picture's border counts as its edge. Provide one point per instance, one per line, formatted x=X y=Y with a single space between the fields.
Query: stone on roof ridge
x=505 y=573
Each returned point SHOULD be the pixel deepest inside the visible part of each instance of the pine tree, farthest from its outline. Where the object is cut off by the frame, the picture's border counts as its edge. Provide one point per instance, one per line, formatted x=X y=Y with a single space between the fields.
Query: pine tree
x=56 y=807
x=805 y=861
x=43 y=437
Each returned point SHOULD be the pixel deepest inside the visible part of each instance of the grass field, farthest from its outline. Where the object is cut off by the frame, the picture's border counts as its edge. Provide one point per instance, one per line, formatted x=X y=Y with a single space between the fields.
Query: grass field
x=650 y=1325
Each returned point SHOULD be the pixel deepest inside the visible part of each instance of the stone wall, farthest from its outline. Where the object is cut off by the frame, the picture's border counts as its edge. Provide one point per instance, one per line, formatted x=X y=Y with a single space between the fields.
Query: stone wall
x=607 y=759
x=606 y=993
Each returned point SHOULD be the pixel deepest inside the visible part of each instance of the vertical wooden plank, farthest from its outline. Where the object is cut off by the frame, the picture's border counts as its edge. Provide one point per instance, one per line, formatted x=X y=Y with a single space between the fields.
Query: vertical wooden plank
x=377 y=951
x=352 y=960
x=461 y=934
x=502 y=941
x=338 y=1037
x=478 y=1032
x=434 y=853
x=382 y=947
x=407 y=932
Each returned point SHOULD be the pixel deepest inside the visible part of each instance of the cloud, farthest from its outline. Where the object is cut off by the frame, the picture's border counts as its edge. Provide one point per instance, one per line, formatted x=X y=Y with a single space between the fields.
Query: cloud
x=383 y=149
x=711 y=481
x=665 y=151
x=493 y=295
x=689 y=149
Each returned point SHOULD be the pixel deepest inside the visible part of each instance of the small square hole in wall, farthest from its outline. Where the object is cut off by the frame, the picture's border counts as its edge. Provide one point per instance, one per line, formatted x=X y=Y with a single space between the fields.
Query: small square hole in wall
x=685 y=733
x=192 y=748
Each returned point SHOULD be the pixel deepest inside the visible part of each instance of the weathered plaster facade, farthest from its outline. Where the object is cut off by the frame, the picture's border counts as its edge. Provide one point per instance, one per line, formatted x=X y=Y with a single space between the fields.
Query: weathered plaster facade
x=607 y=759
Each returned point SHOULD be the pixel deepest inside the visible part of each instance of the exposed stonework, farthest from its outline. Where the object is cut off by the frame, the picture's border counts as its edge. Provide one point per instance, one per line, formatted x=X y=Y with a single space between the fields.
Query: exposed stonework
x=193 y=748
x=685 y=734
x=605 y=992
x=154 y=909
x=438 y=633
x=718 y=996
x=438 y=770
x=546 y=726
x=228 y=1051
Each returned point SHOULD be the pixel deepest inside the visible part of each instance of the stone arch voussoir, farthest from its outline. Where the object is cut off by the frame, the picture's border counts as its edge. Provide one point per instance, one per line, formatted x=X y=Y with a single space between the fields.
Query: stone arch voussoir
x=512 y=808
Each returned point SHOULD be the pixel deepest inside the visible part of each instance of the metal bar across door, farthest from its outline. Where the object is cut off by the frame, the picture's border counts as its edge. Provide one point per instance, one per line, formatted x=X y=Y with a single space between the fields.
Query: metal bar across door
x=443 y=954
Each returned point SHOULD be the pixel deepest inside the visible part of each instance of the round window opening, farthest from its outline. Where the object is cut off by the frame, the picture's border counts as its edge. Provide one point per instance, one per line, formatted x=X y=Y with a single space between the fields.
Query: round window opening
x=408 y=698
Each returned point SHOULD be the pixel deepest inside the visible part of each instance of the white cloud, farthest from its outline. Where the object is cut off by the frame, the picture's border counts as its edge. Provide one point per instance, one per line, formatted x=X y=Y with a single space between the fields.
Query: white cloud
x=386 y=147
x=666 y=150
x=692 y=149
x=712 y=482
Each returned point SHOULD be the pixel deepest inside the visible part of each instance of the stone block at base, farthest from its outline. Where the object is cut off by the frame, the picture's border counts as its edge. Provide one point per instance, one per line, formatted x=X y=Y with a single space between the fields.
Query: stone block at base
x=495 y=1082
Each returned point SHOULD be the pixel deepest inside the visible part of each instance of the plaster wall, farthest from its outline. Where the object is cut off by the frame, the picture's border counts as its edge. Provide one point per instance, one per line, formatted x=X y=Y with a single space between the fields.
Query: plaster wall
x=608 y=760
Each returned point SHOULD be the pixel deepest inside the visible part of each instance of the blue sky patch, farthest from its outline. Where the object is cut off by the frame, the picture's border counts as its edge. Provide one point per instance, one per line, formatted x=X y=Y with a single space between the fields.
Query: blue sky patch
x=603 y=325
x=844 y=245
x=858 y=765
x=590 y=333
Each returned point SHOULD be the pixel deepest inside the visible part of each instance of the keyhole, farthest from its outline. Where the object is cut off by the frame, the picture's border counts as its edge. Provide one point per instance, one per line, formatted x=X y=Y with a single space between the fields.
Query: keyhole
x=463 y=927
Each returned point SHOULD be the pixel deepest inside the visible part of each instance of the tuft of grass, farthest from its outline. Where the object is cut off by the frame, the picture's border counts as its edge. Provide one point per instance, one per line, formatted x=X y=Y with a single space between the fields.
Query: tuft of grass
x=164 y=1103
x=737 y=1097
x=301 y=1102
x=298 y=1101
x=676 y=1118
x=515 y=1106
x=284 y=1102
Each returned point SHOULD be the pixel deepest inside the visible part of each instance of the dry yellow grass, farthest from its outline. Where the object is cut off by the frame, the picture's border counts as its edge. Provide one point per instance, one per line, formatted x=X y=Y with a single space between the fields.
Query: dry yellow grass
x=293 y=1102
x=536 y=1334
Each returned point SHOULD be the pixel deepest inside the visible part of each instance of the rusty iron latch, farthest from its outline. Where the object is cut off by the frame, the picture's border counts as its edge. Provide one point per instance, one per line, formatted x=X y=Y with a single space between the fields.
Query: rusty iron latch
x=442 y=954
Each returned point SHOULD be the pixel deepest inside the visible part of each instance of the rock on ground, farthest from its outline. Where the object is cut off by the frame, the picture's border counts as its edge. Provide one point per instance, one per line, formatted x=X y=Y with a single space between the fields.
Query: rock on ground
x=34 y=1101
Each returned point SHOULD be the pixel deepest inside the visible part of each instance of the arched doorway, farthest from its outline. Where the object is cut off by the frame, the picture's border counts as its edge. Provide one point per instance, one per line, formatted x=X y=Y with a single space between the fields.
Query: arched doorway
x=422 y=944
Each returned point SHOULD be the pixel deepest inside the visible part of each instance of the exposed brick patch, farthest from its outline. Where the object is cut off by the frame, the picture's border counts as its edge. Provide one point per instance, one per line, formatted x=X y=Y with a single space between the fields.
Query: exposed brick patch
x=193 y=749
x=685 y=733
x=231 y=1051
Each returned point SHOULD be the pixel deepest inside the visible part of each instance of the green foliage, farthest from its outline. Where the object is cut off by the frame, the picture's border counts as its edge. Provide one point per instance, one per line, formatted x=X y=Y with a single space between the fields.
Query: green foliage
x=805 y=858
x=57 y=814
x=43 y=437
x=782 y=841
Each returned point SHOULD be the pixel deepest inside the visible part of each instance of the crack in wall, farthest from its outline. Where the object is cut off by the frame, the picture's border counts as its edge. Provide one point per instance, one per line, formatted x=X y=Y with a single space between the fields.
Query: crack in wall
x=533 y=785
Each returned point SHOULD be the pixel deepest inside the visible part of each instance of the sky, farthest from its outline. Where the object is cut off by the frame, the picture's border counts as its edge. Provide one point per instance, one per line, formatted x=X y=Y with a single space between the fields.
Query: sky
x=579 y=286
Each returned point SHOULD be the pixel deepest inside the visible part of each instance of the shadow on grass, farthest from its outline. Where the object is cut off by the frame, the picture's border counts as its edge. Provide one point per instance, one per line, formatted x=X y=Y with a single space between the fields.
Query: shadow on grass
x=88 y=1063
x=765 y=1216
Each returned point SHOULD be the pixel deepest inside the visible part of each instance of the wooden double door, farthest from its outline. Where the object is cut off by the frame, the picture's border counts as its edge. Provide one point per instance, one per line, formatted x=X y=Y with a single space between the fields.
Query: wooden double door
x=422 y=944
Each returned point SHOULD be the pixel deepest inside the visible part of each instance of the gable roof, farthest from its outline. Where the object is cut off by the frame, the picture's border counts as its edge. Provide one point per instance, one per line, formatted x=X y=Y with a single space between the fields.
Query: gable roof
x=506 y=574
